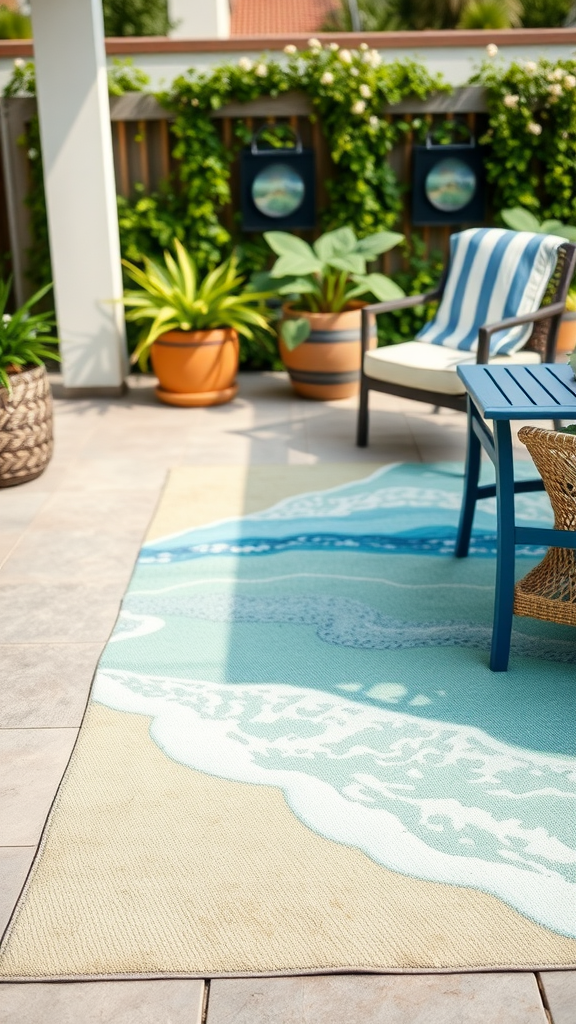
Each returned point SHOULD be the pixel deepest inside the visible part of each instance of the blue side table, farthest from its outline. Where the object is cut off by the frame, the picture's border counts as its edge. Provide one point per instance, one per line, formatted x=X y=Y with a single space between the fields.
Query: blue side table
x=505 y=393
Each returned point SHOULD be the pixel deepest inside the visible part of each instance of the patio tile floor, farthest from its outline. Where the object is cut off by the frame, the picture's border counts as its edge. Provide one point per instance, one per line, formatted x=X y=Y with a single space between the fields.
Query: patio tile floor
x=84 y=519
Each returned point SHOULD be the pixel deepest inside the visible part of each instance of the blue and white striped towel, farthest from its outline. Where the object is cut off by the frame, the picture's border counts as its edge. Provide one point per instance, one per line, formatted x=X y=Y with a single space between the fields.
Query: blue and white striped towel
x=493 y=274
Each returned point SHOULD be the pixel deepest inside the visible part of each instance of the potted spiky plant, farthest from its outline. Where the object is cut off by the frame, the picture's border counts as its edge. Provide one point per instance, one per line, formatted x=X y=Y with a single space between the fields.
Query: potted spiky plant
x=325 y=285
x=192 y=323
x=26 y=436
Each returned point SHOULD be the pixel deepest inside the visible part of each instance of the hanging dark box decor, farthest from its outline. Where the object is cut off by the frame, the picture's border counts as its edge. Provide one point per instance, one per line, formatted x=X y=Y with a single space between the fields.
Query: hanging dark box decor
x=448 y=183
x=277 y=187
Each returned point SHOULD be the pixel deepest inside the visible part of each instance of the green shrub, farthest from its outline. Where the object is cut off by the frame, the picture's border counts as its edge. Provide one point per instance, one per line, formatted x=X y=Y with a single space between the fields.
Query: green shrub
x=14 y=25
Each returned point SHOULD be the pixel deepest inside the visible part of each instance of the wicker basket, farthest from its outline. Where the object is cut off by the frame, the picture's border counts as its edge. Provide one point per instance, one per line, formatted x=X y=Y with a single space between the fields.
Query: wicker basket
x=549 y=590
x=25 y=427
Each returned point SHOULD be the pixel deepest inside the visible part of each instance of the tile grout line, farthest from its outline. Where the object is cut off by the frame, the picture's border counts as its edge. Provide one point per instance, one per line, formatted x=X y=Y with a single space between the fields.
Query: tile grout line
x=544 y=999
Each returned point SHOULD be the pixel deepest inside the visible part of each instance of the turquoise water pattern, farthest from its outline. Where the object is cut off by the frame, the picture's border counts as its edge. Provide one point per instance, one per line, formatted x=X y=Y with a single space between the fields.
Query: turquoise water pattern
x=355 y=679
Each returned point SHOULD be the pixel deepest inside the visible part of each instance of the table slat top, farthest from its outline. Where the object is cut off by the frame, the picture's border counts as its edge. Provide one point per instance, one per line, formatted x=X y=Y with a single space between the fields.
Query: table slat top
x=546 y=391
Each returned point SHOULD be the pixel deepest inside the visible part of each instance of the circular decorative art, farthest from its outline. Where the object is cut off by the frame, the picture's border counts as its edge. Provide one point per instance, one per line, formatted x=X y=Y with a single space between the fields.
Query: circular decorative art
x=450 y=185
x=278 y=190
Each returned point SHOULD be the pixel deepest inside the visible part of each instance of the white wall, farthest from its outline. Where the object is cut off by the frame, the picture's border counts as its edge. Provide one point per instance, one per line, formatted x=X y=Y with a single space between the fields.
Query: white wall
x=457 y=64
x=200 y=19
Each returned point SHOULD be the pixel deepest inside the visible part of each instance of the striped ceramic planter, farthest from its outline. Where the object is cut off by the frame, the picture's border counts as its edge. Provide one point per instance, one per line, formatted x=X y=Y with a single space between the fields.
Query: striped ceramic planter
x=327 y=365
x=196 y=367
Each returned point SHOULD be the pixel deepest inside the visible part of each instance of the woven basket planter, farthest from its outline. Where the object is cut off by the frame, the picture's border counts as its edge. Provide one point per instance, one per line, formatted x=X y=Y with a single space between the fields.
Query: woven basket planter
x=549 y=590
x=26 y=441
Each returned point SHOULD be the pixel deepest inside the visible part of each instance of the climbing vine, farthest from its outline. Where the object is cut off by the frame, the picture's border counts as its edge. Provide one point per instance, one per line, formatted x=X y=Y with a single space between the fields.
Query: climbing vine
x=530 y=157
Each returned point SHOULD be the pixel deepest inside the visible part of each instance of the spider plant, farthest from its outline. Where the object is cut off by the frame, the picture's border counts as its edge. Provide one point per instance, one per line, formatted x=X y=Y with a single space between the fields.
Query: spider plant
x=175 y=297
x=24 y=336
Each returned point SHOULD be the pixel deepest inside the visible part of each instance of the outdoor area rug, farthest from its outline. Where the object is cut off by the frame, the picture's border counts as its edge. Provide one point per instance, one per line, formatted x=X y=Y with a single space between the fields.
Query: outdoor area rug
x=295 y=758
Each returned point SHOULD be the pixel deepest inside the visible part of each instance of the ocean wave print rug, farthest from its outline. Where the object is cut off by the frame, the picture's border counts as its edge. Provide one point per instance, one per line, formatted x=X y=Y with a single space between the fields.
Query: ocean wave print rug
x=295 y=757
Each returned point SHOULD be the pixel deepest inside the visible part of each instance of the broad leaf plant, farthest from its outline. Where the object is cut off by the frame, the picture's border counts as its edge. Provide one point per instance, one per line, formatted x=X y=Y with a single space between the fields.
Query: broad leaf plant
x=328 y=276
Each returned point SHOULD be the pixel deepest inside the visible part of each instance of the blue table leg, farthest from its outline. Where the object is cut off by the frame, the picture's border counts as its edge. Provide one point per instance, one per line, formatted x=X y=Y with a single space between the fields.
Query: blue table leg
x=504 y=597
x=473 y=460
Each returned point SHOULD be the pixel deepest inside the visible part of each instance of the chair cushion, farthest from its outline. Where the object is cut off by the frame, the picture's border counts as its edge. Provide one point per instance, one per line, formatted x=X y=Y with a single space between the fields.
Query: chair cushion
x=417 y=364
x=493 y=274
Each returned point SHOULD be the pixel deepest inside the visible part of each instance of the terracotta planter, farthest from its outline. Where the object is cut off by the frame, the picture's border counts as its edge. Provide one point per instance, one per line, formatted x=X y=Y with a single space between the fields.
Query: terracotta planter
x=25 y=427
x=567 y=334
x=327 y=365
x=196 y=367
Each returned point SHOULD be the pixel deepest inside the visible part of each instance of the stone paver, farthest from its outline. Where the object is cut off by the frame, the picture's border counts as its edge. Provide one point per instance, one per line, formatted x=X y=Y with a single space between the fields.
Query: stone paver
x=47 y=686
x=14 y=864
x=100 y=1002
x=370 y=999
x=60 y=612
x=32 y=762
x=560 y=995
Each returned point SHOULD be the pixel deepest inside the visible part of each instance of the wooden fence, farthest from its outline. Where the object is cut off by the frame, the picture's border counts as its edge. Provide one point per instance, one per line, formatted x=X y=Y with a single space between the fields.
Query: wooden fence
x=142 y=153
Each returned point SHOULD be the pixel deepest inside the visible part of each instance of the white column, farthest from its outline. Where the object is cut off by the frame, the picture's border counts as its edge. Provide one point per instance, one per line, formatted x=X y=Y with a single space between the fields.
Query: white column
x=80 y=191
x=200 y=19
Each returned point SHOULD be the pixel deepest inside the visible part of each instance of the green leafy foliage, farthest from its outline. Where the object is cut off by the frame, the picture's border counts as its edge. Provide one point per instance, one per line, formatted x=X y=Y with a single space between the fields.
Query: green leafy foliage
x=25 y=337
x=14 y=25
x=531 y=139
x=545 y=13
x=520 y=219
x=328 y=276
x=490 y=14
x=421 y=274
x=124 y=77
x=136 y=17
x=175 y=297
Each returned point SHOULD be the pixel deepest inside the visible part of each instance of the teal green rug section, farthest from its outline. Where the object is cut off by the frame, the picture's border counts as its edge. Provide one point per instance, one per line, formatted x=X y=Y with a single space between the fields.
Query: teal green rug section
x=332 y=646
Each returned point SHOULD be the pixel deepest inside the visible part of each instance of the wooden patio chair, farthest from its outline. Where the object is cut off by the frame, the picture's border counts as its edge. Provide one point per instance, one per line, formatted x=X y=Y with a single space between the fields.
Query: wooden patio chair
x=500 y=300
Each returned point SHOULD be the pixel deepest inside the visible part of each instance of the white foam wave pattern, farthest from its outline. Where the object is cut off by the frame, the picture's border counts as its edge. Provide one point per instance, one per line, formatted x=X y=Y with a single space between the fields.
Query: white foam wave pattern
x=330 y=505
x=406 y=791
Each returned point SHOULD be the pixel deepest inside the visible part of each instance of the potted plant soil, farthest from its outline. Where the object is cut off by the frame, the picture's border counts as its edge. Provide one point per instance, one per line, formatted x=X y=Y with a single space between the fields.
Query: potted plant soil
x=325 y=285
x=193 y=323
x=26 y=435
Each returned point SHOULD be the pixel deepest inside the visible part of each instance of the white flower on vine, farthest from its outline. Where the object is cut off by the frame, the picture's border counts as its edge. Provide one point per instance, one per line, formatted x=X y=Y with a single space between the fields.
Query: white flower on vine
x=557 y=75
x=359 y=107
x=531 y=67
x=492 y=49
x=19 y=63
x=570 y=82
x=556 y=89
x=6 y=318
x=327 y=78
x=290 y=48
x=511 y=100
x=261 y=70
x=363 y=46
x=345 y=56
x=374 y=121
x=245 y=64
x=195 y=102
x=365 y=91
x=375 y=58
x=354 y=72
x=314 y=44
x=333 y=46
x=32 y=154
x=535 y=128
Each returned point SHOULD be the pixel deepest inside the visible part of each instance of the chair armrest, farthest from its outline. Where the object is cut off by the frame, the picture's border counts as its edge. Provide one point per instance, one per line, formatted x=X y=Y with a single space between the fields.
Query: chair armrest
x=556 y=309
x=389 y=307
